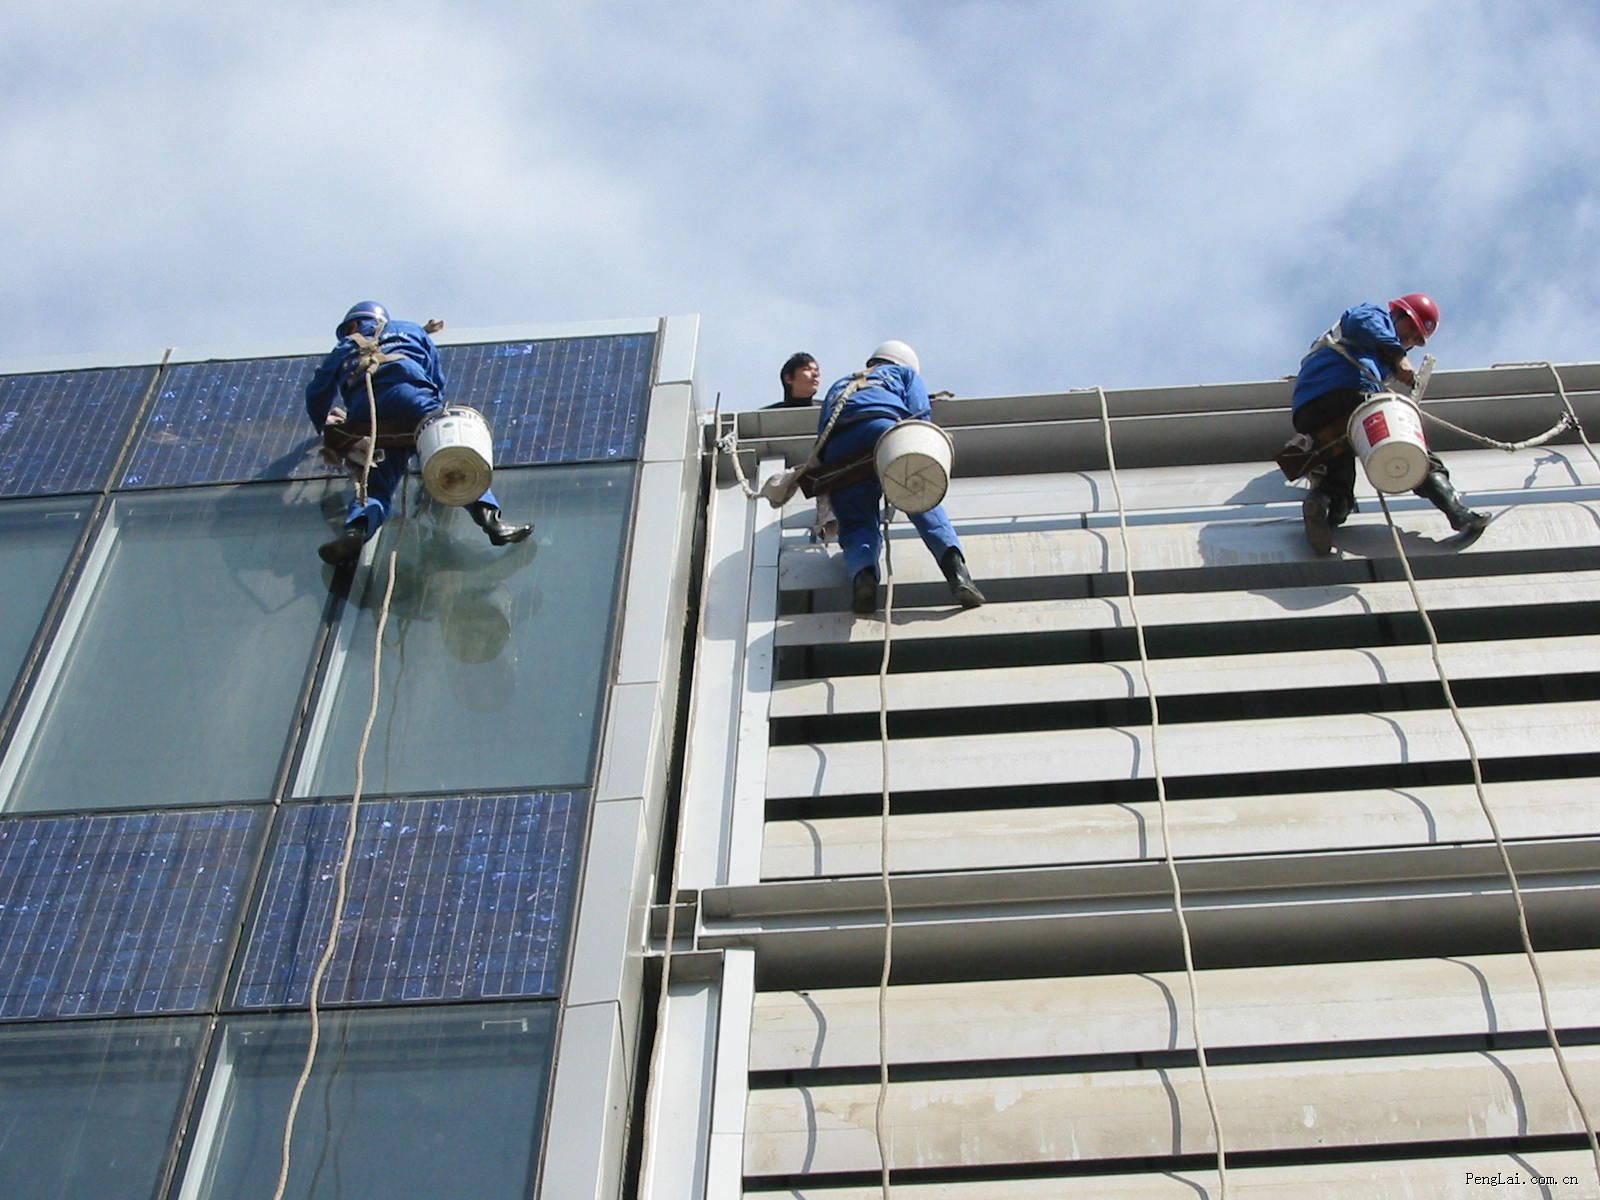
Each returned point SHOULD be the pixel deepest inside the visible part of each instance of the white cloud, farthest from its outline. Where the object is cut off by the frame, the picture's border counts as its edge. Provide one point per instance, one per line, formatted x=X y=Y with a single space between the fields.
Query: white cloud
x=1038 y=196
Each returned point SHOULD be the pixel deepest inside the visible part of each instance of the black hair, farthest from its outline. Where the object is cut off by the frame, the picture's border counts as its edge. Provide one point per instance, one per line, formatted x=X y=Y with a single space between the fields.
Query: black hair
x=792 y=364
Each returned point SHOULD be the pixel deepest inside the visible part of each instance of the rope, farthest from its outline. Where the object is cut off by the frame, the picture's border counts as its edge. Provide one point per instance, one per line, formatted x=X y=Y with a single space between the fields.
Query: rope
x=1555 y=430
x=1499 y=840
x=1161 y=798
x=1568 y=420
x=728 y=443
x=341 y=876
x=883 y=862
x=1572 y=413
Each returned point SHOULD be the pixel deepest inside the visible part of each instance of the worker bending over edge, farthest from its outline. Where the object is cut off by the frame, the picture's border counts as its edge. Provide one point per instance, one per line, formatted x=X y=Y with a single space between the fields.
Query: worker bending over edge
x=891 y=390
x=1345 y=367
x=408 y=387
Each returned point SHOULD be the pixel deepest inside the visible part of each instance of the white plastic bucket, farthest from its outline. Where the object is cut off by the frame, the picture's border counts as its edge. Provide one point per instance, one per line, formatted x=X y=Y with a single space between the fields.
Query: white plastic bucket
x=457 y=453
x=1386 y=433
x=912 y=459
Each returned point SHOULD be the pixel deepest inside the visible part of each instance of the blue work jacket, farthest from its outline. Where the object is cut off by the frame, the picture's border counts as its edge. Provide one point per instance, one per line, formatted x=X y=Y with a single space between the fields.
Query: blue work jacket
x=893 y=391
x=418 y=367
x=1367 y=332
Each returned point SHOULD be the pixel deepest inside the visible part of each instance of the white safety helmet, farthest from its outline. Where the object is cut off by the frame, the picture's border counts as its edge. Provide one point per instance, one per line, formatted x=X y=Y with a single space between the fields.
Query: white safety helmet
x=897 y=352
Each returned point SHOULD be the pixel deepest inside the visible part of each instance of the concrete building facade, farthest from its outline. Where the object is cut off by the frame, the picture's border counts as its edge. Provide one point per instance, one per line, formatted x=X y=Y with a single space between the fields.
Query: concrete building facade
x=1371 y=1021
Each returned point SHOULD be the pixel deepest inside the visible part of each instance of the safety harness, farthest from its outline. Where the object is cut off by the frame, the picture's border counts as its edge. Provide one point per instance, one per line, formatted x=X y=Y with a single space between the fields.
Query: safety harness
x=342 y=444
x=1335 y=340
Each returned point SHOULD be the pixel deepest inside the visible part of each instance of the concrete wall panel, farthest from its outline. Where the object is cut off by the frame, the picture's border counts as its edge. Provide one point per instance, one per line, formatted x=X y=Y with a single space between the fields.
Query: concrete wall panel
x=1319 y=1003
x=824 y=847
x=1181 y=608
x=1206 y=748
x=1145 y=1113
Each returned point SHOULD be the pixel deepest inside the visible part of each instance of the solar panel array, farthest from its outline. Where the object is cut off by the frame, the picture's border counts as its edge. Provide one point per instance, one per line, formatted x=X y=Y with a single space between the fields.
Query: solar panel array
x=61 y=432
x=572 y=400
x=555 y=401
x=121 y=914
x=449 y=899
x=227 y=422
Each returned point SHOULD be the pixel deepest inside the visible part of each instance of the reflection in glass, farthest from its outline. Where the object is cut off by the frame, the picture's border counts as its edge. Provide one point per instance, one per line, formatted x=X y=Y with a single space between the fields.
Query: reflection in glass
x=36 y=538
x=90 y=1109
x=424 y=1103
x=180 y=681
x=494 y=658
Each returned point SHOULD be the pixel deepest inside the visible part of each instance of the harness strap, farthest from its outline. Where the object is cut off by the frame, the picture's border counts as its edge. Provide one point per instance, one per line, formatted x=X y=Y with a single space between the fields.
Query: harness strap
x=369 y=356
x=810 y=479
x=1335 y=340
x=819 y=480
x=857 y=382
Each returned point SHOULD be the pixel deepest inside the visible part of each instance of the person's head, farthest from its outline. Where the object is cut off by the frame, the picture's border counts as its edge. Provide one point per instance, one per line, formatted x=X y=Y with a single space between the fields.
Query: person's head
x=361 y=310
x=894 y=352
x=1416 y=318
x=801 y=377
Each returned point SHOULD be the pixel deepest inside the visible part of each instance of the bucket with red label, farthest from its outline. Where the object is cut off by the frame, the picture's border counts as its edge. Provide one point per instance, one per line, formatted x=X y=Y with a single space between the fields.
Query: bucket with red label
x=1386 y=433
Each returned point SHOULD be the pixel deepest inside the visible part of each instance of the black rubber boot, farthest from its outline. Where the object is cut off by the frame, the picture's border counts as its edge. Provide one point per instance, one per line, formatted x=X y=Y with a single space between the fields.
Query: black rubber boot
x=487 y=518
x=347 y=546
x=954 y=566
x=1316 y=510
x=1441 y=493
x=864 y=591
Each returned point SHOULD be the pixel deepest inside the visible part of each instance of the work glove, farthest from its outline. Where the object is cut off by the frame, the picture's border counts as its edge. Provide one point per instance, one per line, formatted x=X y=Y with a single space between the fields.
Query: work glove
x=1405 y=372
x=336 y=442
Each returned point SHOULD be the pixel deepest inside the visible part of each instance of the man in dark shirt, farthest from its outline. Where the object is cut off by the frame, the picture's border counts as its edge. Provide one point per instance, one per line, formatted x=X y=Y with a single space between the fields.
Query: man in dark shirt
x=800 y=377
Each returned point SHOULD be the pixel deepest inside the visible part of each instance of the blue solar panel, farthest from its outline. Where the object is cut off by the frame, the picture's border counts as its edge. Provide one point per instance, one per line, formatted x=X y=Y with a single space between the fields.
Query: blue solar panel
x=120 y=914
x=62 y=432
x=449 y=899
x=557 y=401
x=228 y=422
x=572 y=400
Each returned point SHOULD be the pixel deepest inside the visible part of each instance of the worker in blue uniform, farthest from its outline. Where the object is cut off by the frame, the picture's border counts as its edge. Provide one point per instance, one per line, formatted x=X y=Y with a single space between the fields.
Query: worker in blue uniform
x=408 y=387
x=1342 y=370
x=890 y=390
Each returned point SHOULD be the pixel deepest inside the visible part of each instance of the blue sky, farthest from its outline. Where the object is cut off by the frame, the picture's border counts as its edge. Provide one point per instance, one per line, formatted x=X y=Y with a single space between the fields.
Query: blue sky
x=1037 y=196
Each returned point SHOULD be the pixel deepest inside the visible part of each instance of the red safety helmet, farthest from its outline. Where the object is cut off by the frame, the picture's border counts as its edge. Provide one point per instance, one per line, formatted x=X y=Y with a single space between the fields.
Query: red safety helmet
x=1424 y=313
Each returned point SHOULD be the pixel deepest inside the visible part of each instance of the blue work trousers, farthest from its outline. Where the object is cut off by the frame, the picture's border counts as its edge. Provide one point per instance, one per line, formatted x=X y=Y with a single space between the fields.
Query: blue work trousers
x=858 y=506
x=400 y=406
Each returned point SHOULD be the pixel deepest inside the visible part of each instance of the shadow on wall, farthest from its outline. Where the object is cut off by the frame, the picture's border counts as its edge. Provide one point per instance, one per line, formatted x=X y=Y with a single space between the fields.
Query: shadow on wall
x=1301 y=579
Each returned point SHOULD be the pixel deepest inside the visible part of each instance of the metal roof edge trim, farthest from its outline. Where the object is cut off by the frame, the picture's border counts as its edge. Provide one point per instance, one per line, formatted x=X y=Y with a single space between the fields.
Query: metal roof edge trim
x=299 y=348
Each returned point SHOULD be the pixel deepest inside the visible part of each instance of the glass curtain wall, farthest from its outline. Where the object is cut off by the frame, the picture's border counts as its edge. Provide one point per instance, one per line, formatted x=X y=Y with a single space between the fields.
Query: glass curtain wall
x=176 y=678
x=495 y=658
x=90 y=1109
x=178 y=683
x=403 y=1104
x=36 y=538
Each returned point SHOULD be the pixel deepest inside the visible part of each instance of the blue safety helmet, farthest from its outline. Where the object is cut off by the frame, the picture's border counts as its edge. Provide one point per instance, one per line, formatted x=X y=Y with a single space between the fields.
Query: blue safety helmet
x=369 y=310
